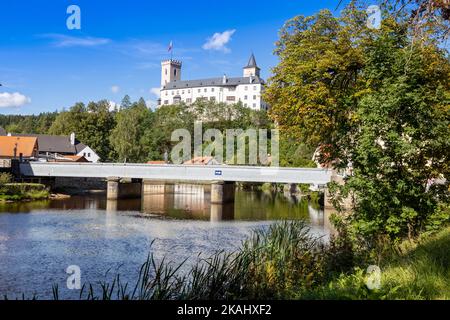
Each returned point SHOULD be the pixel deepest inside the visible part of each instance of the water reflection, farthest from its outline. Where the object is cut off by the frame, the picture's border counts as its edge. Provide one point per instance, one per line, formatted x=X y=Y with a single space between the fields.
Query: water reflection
x=190 y=202
x=38 y=240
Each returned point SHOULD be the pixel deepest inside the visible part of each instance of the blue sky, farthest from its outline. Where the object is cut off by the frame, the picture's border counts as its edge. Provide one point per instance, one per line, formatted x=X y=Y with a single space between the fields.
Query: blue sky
x=44 y=66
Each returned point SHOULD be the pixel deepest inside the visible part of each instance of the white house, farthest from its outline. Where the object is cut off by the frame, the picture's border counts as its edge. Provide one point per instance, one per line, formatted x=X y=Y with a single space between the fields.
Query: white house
x=247 y=89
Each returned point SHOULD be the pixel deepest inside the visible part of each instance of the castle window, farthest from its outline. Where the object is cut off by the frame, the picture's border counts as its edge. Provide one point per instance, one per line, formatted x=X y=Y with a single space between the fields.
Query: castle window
x=174 y=72
x=165 y=71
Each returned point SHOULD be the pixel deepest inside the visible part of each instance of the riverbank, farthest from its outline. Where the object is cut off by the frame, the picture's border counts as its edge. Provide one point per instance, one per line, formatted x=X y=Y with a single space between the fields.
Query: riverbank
x=284 y=262
x=23 y=191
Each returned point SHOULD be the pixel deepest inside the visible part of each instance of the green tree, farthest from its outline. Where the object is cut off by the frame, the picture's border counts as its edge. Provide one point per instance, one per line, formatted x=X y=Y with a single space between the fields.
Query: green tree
x=92 y=125
x=374 y=99
x=127 y=138
x=126 y=102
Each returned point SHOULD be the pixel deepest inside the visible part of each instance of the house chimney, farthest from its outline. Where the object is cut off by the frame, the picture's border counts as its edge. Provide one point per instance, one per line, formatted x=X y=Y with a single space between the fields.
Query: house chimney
x=72 y=138
x=224 y=79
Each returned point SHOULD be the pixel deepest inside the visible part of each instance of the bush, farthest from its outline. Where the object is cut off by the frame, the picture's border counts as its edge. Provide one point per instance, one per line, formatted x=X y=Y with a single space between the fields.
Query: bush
x=5 y=178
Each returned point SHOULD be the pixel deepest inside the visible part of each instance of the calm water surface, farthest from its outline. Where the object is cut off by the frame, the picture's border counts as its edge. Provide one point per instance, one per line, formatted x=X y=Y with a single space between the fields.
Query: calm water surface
x=39 y=240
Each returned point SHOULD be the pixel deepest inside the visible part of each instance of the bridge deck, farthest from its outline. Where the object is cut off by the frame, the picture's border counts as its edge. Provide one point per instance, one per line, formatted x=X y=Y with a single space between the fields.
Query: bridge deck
x=178 y=172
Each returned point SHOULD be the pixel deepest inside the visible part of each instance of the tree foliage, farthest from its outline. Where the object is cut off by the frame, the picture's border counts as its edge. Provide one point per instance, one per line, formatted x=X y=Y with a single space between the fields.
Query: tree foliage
x=373 y=100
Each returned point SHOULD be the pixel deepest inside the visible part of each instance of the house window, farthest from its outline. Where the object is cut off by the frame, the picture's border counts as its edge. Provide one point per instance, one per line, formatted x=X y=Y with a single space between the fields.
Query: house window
x=246 y=88
x=89 y=154
x=189 y=91
x=84 y=154
x=254 y=87
x=245 y=97
x=231 y=89
x=167 y=93
x=166 y=101
x=245 y=105
x=212 y=89
x=212 y=99
x=199 y=90
x=188 y=100
x=254 y=105
x=173 y=92
x=206 y=90
x=231 y=98
x=182 y=92
x=254 y=97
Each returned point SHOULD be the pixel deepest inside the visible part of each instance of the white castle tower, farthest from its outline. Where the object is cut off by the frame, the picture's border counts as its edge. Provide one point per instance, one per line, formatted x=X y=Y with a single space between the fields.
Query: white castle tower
x=170 y=71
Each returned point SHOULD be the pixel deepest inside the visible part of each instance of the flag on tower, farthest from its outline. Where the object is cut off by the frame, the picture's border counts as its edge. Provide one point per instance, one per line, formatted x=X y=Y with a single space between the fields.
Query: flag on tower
x=170 y=46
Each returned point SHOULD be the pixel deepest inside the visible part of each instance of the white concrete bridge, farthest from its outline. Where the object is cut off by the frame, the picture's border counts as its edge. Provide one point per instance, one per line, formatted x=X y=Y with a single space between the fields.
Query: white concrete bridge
x=188 y=173
x=221 y=177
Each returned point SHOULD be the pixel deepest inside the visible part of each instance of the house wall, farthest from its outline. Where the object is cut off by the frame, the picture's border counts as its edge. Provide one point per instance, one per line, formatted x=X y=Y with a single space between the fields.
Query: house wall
x=89 y=154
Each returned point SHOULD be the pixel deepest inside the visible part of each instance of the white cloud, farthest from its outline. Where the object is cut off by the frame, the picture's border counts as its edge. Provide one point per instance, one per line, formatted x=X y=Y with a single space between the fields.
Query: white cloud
x=13 y=100
x=61 y=40
x=115 y=89
x=151 y=104
x=155 y=91
x=219 y=40
x=113 y=106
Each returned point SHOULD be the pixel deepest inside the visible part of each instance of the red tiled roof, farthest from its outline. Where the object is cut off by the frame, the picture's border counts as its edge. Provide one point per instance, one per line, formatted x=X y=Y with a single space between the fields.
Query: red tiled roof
x=27 y=146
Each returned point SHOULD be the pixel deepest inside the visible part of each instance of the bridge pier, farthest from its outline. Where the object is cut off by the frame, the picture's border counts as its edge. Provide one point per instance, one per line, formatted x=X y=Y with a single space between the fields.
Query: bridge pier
x=221 y=212
x=118 y=189
x=222 y=192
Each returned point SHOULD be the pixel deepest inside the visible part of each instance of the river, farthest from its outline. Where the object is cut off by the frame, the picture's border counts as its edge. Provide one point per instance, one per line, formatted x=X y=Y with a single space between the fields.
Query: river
x=39 y=240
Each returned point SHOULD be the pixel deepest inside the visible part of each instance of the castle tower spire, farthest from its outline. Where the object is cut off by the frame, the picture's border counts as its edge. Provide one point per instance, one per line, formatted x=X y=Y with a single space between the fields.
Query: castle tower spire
x=251 y=69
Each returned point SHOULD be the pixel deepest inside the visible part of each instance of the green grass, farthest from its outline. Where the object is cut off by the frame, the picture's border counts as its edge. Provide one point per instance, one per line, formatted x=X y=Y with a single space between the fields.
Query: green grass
x=415 y=271
x=23 y=191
